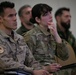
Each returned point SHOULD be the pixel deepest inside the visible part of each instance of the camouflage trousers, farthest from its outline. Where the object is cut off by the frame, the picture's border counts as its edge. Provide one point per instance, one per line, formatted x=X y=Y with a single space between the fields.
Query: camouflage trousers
x=66 y=72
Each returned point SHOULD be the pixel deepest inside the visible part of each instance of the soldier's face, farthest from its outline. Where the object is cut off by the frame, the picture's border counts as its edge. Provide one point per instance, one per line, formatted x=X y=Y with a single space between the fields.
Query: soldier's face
x=26 y=15
x=65 y=20
x=47 y=17
x=9 y=20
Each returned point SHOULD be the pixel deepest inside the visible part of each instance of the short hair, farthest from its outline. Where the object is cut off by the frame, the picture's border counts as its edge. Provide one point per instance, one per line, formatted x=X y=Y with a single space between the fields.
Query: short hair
x=59 y=12
x=40 y=9
x=4 y=5
x=21 y=9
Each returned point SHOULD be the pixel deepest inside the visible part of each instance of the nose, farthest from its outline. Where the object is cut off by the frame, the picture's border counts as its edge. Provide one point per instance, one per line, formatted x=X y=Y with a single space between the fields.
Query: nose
x=69 y=18
x=50 y=16
x=15 y=18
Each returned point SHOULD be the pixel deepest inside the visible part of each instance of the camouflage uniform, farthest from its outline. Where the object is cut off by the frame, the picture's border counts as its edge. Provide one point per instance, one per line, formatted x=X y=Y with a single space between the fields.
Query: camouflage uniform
x=14 y=53
x=22 y=30
x=43 y=46
x=71 y=40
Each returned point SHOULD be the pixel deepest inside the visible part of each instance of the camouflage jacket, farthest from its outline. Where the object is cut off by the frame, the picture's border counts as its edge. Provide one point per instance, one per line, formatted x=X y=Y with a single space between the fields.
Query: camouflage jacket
x=14 y=53
x=69 y=38
x=22 y=30
x=44 y=47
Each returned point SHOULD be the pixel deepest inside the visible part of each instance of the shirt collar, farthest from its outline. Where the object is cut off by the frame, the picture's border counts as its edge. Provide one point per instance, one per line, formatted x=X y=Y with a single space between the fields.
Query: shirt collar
x=43 y=30
x=4 y=35
x=24 y=28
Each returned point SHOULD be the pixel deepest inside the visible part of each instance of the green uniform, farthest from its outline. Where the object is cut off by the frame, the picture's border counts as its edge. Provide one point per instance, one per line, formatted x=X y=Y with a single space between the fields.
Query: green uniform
x=69 y=37
x=22 y=30
x=43 y=46
x=14 y=53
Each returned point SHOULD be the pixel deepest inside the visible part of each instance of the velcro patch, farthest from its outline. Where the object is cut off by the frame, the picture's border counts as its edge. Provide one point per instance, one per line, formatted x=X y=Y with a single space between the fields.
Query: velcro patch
x=1 y=49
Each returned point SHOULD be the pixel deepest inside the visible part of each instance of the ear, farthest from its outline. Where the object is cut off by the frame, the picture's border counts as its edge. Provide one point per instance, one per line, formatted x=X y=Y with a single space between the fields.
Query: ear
x=37 y=19
x=57 y=18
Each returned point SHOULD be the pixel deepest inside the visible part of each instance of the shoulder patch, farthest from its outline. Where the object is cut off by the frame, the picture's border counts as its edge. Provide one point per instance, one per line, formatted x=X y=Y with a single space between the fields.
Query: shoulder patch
x=1 y=49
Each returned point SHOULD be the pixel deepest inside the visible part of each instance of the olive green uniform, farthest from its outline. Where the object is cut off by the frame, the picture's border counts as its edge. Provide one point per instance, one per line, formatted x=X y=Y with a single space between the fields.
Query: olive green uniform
x=69 y=37
x=22 y=29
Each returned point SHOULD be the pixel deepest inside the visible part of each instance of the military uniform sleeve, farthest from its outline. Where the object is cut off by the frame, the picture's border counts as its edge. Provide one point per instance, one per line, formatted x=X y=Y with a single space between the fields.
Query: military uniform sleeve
x=8 y=62
x=62 y=50
x=31 y=42
x=31 y=62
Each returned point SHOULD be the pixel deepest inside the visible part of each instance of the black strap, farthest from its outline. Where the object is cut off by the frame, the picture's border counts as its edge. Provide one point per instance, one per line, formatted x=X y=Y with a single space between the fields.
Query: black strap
x=68 y=66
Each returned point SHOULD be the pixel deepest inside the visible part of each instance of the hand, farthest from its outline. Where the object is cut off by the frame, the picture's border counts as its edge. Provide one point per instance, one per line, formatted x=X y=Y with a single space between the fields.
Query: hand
x=53 y=67
x=40 y=72
x=52 y=28
x=54 y=32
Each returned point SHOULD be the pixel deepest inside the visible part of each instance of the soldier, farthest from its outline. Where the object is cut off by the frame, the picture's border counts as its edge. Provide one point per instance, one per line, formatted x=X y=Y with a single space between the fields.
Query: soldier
x=14 y=53
x=63 y=20
x=25 y=16
x=44 y=41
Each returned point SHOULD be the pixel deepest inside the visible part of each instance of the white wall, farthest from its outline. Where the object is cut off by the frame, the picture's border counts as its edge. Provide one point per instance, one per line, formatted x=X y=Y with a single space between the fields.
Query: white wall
x=55 y=4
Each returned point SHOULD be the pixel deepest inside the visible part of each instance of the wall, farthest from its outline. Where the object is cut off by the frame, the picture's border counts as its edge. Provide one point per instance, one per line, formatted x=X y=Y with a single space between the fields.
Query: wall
x=55 y=4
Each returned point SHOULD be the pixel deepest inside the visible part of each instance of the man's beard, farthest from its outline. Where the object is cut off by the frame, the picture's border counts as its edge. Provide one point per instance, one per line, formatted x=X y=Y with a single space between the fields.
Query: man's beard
x=65 y=25
x=29 y=23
